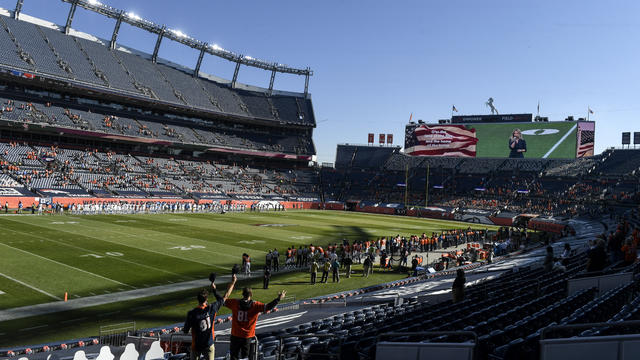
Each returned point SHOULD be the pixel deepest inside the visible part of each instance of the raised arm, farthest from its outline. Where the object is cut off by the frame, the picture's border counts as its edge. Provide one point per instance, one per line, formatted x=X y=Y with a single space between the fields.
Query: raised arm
x=275 y=301
x=234 y=278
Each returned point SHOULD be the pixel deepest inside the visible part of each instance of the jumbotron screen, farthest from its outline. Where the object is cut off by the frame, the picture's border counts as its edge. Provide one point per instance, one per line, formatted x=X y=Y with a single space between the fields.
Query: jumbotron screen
x=552 y=140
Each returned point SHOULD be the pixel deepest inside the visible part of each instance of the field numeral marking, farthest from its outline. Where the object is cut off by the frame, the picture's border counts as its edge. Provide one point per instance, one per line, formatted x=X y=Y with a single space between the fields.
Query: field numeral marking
x=185 y=248
x=250 y=242
x=108 y=253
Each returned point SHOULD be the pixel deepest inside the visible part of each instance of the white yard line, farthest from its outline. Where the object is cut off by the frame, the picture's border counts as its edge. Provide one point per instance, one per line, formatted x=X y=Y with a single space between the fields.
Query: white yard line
x=159 y=252
x=102 y=299
x=89 y=250
x=65 y=265
x=30 y=286
x=33 y=328
x=559 y=142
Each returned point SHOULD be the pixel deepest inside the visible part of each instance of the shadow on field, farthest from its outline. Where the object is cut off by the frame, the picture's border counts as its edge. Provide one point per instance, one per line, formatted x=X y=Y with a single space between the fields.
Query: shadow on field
x=351 y=233
x=289 y=283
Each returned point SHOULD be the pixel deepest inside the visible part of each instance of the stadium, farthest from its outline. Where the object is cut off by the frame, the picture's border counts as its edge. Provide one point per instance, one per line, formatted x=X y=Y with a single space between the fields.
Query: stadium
x=127 y=181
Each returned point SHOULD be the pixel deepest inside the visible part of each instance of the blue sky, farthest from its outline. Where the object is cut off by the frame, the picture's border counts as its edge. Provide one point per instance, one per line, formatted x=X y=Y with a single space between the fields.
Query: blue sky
x=375 y=62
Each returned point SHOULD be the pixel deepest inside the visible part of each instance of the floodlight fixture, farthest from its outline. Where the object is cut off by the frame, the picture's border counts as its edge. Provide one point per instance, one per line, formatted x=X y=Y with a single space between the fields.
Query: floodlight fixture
x=134 y=19
x=178 y=33
x=133 y=16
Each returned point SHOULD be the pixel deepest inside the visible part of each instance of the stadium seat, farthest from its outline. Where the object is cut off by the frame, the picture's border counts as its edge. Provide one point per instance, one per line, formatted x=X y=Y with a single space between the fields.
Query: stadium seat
x=80 y=355
x=105 y=354
x=155 y=352
x=130 y=353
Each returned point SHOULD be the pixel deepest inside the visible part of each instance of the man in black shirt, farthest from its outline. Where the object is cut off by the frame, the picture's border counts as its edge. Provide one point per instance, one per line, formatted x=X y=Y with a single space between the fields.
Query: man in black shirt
x=200 y=321
x=266 y=277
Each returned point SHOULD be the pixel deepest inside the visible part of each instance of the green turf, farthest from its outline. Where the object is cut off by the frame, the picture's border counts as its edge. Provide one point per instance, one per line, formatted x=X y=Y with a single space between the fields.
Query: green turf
x=164 y=310
x=46 y=256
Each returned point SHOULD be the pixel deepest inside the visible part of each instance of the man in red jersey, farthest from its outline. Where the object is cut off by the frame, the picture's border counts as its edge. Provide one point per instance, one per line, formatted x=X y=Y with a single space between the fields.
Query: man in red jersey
x=243 y=322
x=200 y=321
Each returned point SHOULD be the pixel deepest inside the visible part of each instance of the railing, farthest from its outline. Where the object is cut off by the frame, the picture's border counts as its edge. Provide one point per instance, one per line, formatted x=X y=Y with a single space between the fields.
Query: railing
x=289 y=303
x=116 y=334
x=427 y=350
x=594 y=347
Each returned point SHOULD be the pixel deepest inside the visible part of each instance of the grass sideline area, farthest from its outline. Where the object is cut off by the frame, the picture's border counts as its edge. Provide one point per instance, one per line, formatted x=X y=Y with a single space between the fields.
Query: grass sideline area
x=164 y=310
x=46 y=256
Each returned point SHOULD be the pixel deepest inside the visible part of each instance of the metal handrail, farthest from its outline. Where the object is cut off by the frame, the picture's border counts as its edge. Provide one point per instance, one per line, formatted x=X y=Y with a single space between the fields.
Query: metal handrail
x=470 y=333
x=548 y=329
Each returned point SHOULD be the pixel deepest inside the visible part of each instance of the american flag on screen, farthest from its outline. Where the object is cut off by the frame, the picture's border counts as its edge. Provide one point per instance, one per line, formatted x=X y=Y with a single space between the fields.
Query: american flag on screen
x=586 y=139
x=441 y=140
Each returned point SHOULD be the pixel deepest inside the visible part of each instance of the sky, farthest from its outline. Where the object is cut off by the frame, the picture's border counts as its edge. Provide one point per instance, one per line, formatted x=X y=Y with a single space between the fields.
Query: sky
x=377 y=62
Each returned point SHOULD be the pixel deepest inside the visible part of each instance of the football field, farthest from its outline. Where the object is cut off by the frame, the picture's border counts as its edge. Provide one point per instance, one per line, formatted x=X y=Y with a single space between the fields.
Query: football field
x=44 y=257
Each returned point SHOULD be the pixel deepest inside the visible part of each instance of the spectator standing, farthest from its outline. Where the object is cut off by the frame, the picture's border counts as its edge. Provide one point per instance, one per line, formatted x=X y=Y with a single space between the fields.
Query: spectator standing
x=365 y=266
x=630 y=251
x=325 y=271
x=383 y=260
x=314 y=271
x=414 y=266
x=458 y=286
x=299 y=257
x=200 y=321
x=305 y=256
x=549 y=260
x=597 y=257
x=275 y=259
x=246 y=264
x=567 y=251
x=335 y=266
x=266 y=277
x=267 y=260
x=347 y=263
x=244 y=317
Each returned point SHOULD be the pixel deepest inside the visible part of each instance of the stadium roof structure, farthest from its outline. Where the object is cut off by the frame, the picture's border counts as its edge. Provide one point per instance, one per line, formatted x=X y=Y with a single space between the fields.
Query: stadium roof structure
x=164 y=32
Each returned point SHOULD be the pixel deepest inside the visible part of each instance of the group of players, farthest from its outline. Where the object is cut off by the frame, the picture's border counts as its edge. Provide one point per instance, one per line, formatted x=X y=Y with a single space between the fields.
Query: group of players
x=151 y=207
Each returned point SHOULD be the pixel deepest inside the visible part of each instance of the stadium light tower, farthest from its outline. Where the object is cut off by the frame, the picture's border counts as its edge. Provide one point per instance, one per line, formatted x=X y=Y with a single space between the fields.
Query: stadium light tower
x=116 y=29
x=203 y=48
x=273 y=77
x=17 y=10
x=154 y=57
x=306 y=80
x=180 y=37
x=72 y=11
x=235 y=75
